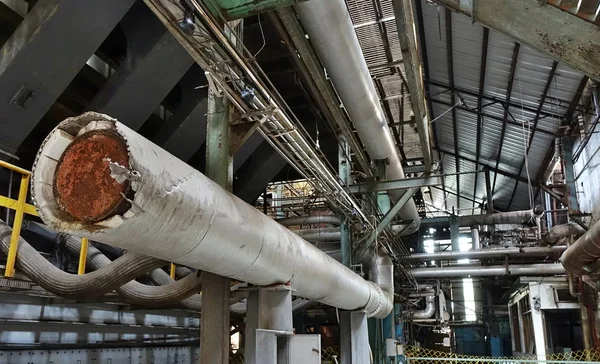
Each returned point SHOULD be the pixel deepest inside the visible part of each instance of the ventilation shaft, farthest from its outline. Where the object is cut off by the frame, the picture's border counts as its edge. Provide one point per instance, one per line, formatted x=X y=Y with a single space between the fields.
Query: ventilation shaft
x=95 y=177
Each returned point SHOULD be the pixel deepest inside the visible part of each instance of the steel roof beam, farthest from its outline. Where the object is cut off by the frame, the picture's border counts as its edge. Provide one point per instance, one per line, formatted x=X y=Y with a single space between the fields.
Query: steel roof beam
x=482 y=69
x=390 y=117
x=154 y=63
x=450 y=59
x=400 y=184
x=559 y=34
x=492 y=99
x=491 y=168
x=535 y=122
x=511 y=79
x=44 y=54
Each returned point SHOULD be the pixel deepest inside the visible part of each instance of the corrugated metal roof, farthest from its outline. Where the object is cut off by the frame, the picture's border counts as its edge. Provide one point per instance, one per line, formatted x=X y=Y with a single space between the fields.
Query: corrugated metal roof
x=506 y=155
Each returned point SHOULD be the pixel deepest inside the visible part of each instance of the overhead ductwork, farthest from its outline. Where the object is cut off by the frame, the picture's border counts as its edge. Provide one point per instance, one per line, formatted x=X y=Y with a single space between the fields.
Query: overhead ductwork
x=584 y=252
x=139 y=197
x=488 y=271
x=331 y=33
x=559 y=232
x=490 y=253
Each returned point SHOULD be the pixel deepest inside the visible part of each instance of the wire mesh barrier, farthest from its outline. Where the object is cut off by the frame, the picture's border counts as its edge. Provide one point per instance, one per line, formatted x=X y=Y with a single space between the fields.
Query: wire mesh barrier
x=330 y=355
x=418 y=355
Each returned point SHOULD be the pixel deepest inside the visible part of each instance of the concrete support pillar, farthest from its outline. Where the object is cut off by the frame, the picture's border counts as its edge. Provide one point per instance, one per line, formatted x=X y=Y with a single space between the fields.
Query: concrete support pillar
x=268 y=325
x=354 y=338
x=215 y=324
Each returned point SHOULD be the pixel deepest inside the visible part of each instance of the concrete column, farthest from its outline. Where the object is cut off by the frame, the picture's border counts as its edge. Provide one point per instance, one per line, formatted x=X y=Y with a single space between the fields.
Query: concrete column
x=354 y=338
x=215 y=320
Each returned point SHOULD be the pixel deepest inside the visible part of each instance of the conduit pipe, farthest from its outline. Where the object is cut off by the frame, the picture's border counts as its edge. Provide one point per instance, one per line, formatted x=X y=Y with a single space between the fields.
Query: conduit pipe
x=562 y=231
x=490 y=253
x=332 y=34
x=425 y=313
x=146 y=200
x=309 y=220
x=333 y=234
x=486 y=271
x=63 y=284
x=585 y=251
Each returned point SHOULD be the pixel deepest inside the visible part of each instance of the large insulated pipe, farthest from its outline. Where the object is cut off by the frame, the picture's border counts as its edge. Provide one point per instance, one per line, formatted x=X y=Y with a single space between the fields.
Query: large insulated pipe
x=309 y=220
x=425 y=313
x=63 y=284
x=95 y=177
x=487 y=271
x=332 y=34
x=499 y=218
x=562 y=231
x=490 y=253
x=585 y=251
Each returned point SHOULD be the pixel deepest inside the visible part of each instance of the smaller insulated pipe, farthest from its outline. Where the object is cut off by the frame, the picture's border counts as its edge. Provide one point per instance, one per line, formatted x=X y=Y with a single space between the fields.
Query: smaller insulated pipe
x=63 y=284
x=499 y=218
x=309 y=220
x=425 y=313
x=170 y=293
x=490 y=253
x=585 y=251
x=487 y=271
x=562 y=231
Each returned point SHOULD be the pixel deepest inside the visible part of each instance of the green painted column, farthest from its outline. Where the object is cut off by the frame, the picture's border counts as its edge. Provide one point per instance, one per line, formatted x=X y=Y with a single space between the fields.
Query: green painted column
x=215 y=318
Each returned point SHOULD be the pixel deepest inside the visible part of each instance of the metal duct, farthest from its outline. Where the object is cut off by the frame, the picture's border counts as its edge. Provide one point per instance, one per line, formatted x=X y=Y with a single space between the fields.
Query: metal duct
x=425 y=313
x=148 y=201
x=63 y=284
x=309 y=220
x=486 y=271
x=332 y=34
x=511 y=217
x=490 y=253
x=562 y=231
x=585 y=251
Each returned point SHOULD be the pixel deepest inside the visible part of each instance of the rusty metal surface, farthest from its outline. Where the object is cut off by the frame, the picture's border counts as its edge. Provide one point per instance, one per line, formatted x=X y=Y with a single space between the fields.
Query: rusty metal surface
x=83 y=185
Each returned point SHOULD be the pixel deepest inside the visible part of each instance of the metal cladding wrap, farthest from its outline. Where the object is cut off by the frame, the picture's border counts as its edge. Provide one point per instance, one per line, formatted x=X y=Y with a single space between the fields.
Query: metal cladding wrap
x=333 y=36
x=585 y=251
x=177 y=214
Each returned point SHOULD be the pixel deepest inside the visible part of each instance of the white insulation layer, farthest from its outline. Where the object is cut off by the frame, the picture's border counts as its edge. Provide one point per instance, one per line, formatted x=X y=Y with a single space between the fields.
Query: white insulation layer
x=181 y=216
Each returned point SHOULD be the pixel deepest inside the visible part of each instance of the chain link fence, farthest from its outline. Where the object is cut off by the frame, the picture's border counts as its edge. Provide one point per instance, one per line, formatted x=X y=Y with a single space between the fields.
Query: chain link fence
x=418 y=355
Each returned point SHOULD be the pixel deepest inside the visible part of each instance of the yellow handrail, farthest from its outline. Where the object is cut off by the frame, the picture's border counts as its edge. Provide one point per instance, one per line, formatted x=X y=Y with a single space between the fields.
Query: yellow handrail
x=172 y=271
x=9 y=271
x=82 y=256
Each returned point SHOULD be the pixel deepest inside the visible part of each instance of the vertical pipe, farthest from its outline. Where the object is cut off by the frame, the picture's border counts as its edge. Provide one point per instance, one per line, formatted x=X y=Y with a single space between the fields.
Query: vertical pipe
x=344 y=172
x=215 y=318
x=9 y=271
x=172 y=270
x=476 y=242
x=586 y=330
x=82 y=256
x=488 y=191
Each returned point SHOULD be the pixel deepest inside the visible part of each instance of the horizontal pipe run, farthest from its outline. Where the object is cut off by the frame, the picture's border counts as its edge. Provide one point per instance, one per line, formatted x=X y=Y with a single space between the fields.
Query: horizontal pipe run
x=309 y=220
x=176 y=213
x=334 y=234
x=499 y=218
x=489 y=271
x=490 y=253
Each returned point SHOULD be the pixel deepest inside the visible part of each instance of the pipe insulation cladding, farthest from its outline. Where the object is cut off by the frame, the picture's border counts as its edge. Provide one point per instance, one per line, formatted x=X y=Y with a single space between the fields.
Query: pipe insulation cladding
x=148 y=201
x=332 y=34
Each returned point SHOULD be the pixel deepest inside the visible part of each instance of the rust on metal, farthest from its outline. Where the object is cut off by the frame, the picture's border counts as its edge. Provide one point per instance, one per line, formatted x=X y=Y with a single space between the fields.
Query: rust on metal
x=83 y=186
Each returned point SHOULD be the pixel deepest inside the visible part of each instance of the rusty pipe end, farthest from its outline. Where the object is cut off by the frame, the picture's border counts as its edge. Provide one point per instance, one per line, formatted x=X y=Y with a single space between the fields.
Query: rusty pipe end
x=83 y=186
